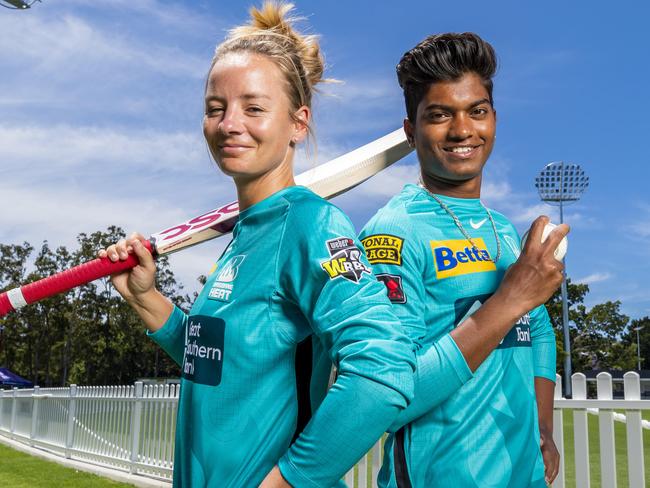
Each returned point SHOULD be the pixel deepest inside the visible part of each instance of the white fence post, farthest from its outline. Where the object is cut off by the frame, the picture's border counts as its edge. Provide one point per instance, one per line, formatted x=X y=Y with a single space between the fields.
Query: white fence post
x=580 y=431
x=136 y=420
x=606 y=430
x=558 y=432
x=72 y=407
x=13 y=412
x=32 y=431
x=635 y=466
x=377 y=459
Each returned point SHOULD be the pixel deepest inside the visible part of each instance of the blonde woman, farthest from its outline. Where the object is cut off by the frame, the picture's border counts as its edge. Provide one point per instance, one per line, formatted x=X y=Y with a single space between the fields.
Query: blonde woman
x=240 y=421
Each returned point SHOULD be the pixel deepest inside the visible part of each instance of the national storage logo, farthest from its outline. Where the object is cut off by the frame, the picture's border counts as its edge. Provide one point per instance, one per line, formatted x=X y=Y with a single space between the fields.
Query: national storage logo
x=383 y=248
x=456 y=257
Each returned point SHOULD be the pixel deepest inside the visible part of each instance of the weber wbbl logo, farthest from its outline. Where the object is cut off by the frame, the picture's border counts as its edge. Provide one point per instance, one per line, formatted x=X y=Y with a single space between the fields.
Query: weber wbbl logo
x=345 y=261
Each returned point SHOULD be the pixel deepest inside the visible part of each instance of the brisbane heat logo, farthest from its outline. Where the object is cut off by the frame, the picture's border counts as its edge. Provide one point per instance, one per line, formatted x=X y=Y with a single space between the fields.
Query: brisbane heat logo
x=223 y=284
x=345 y=261
x=457 y=257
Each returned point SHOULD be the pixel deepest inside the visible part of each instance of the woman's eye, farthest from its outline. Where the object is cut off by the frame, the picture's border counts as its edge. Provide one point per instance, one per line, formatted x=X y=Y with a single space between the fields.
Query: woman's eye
x=214 y=110
x=255 y=109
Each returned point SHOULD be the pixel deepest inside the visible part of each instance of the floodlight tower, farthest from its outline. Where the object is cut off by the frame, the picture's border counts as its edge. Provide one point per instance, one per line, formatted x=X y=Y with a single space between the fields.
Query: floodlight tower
x=638 y=347
x=561 y=184
x=17 y=4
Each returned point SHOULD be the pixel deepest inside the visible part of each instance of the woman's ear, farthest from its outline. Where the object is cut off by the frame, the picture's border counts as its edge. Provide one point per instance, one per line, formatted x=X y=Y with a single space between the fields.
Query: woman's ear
x=301 y=118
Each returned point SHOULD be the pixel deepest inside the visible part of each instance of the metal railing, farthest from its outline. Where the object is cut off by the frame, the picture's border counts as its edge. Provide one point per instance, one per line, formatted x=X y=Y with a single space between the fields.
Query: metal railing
x=131 y=428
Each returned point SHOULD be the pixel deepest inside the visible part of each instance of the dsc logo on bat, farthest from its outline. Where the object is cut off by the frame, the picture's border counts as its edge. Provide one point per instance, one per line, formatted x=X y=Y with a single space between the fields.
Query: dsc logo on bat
x=199 y=222
x=456 y=257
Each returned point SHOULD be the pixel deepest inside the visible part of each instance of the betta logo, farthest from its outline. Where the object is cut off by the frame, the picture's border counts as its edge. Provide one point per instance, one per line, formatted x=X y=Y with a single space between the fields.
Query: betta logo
x=456 y=257
x=345 y=260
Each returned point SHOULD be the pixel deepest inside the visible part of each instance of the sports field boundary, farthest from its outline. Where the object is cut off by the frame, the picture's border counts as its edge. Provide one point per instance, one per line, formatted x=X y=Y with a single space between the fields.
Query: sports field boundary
x=113 y=474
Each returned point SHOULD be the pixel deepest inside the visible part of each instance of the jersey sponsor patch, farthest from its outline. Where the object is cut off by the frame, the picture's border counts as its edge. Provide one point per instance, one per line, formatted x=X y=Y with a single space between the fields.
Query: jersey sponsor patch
x=204 y=341
x=383 y=248
x=345 y=260
x=457 y=257
x=394 y=287
x=223 y=286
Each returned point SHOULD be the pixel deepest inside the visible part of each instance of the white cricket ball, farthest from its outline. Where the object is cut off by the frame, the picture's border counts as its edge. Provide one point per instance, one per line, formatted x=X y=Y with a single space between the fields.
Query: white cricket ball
x=560 y=250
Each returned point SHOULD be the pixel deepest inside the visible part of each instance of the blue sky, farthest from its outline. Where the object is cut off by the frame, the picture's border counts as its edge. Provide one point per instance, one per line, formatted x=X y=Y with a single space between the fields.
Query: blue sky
x=101 y=106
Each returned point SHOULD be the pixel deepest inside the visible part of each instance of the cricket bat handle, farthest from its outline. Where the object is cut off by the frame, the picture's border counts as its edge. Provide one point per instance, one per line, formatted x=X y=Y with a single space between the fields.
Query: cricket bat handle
x=65 y=281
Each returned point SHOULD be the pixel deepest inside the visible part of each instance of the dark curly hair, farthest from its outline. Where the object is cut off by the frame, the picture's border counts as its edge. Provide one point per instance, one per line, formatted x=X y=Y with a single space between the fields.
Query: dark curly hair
x=444 y=57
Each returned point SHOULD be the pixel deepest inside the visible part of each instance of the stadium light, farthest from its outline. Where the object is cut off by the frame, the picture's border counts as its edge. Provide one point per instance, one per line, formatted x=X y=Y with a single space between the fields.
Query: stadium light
x=638 y=347
x=17 y=4
x=561 y=184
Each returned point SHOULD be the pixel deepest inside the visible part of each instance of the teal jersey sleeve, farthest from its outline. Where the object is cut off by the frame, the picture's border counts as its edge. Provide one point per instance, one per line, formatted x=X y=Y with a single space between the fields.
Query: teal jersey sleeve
x=171 y=336
x=324 y=272
x=398 y=261
x=543 y=343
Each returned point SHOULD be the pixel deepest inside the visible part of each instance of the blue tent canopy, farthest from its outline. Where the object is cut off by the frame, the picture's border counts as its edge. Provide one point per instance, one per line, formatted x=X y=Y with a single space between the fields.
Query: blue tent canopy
x=9 y=379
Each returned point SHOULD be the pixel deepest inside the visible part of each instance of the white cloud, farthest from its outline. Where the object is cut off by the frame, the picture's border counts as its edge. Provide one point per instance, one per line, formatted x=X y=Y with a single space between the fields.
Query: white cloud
x=166 y=13
x=640 y=228
x=595 y=278
x=64 y=148
x=69 y=46
x=59 y=215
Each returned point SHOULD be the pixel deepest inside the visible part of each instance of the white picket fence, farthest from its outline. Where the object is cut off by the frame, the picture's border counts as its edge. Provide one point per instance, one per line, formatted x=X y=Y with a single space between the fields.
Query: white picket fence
x=131 y=428
x=609 y=410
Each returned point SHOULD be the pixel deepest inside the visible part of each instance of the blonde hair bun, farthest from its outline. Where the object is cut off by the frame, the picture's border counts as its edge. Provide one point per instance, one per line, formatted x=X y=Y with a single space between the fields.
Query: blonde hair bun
x=271 y=32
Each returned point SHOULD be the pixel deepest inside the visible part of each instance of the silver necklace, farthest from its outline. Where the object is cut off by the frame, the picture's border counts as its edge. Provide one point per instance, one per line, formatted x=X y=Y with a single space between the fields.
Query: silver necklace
x=460 y=226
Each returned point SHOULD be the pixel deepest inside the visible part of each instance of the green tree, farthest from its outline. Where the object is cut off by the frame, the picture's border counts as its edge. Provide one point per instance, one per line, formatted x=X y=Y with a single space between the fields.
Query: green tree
x=597 y=335
x=13 y=266
x=88 y=335
x=644 y=340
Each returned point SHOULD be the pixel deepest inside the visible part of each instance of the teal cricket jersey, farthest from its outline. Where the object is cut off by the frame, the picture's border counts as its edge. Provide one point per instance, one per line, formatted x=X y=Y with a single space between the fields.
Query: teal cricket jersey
x=467 y=430
x=293 y=273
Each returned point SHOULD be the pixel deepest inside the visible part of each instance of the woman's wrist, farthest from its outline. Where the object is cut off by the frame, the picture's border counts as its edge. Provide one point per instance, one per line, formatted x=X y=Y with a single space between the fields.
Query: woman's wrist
x=147 y=301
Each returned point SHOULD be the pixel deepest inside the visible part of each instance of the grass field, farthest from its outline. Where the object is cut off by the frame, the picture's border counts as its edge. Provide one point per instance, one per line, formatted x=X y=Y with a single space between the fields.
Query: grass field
x=594 y=450
x=20 y=470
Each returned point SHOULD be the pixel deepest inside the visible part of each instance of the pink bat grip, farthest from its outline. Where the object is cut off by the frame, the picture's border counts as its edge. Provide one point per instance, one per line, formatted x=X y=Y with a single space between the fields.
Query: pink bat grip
x=71 y=278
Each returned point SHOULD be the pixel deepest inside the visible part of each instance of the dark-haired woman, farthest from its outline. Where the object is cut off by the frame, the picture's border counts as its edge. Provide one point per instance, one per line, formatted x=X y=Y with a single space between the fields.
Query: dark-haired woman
x=293 y=273
x=464 y=292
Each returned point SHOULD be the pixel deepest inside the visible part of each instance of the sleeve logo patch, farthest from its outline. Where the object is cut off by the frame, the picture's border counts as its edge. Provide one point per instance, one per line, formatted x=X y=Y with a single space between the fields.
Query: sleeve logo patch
x=393 y=287
x=345 y=260
x=456 y=257
x=383 y=248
